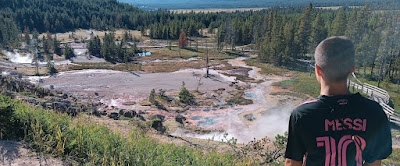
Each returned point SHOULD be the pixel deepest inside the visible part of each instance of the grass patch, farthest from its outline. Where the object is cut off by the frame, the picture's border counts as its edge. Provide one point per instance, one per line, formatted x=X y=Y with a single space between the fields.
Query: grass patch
x=162 y=67
x=165 y=53
x=267 y=68
x=287 y=83
x=394 y=159
x=306 y=84
x=31 y=71
x=301 y=82
x=106 y=66
x=86 y=143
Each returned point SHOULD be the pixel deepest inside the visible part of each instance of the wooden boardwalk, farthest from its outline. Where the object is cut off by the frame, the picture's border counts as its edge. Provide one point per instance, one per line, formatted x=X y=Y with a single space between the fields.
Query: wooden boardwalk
x=377 y=94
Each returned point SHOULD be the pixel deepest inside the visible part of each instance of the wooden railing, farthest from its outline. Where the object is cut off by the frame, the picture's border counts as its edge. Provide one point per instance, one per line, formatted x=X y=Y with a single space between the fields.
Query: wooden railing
x=379 y=95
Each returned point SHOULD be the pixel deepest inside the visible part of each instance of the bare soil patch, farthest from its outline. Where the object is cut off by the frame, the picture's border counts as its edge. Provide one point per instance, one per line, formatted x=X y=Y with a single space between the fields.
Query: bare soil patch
x=16 y=154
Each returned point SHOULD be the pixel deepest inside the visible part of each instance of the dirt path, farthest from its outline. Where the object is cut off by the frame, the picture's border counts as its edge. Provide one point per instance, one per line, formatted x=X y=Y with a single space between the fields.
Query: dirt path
x=16 y=154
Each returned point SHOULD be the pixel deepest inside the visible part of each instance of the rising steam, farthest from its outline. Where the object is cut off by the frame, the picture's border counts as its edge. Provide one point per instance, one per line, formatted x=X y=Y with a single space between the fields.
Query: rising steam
x=16 y=57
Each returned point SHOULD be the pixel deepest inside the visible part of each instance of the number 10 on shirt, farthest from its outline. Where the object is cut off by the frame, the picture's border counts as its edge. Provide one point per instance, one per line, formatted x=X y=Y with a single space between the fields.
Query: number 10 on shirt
x=331 y=149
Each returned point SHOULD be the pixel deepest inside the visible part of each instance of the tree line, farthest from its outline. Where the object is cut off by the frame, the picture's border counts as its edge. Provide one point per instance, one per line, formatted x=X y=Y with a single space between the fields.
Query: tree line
x=111 y=50
x=282 y=35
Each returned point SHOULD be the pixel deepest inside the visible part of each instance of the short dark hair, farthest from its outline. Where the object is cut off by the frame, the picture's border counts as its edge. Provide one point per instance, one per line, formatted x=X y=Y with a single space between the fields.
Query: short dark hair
x=336 y=57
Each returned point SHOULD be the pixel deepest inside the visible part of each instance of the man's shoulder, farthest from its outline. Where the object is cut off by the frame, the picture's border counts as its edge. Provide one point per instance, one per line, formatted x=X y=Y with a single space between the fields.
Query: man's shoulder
x=307 y=107
x=369 y=103
x=311 y=104
x=373 y=109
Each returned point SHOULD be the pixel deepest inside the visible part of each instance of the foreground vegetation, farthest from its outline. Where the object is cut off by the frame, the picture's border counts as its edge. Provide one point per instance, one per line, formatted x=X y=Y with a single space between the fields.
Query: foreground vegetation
x=78 y=141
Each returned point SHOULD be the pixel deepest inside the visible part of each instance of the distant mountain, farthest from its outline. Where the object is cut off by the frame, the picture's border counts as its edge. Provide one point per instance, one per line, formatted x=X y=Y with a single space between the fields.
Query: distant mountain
x=206 y=4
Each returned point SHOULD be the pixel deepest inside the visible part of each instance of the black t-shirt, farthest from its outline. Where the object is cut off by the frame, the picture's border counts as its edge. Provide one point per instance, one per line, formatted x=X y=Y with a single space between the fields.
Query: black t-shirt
x=339 y=130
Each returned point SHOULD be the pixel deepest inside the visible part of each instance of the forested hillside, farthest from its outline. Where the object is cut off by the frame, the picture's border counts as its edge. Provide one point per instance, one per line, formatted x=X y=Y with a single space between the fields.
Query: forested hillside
x=60 y=16
x=207 y=4
x=282 y=35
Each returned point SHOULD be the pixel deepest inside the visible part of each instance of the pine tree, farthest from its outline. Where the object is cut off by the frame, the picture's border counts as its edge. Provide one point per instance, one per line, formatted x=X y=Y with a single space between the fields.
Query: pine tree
x=366 y=51
x=68 y=52
x=94 y=46
x=35 y=34
x=50 y=68
x=134 y=48
x=9 y=33
x=277 y=45
x=109 y=49
x=220 y=37
x=120 y=51
x=183 y=41
x=352 y=27
x=339 y=24
x=304 y=32
x=27 y=38
x=46 y=45
x=56 y=46
x=362 y=23
x=318 y=32
x=289 y=41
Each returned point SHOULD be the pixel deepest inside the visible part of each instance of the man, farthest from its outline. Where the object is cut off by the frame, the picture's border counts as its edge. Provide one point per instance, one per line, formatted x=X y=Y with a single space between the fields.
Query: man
x=338 y=128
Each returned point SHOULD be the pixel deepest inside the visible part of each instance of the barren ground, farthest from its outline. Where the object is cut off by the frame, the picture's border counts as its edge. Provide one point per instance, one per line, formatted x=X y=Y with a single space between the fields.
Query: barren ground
x=16 y=154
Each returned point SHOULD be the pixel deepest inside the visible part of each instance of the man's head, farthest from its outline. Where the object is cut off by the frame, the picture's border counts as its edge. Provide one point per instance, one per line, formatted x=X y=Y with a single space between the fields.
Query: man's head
x=335 y=59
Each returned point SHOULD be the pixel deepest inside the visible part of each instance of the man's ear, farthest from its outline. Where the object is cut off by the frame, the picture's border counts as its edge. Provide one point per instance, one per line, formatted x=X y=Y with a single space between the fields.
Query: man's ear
x=318 y=70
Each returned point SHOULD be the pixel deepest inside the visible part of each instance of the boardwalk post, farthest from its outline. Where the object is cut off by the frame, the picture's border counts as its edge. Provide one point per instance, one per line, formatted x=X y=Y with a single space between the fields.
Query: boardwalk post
x=362 y=87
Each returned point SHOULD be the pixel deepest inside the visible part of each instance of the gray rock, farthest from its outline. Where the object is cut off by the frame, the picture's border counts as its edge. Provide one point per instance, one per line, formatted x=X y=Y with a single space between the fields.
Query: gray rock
x=157 y=124
x=103 y=113
x=180 y=119
x=130 y=114
x=114 y=116
x=250 y=117
x=121 y=112
x=140 y=117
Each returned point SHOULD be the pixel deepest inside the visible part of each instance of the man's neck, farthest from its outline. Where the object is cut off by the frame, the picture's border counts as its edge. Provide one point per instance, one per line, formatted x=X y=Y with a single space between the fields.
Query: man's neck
x=332 y=89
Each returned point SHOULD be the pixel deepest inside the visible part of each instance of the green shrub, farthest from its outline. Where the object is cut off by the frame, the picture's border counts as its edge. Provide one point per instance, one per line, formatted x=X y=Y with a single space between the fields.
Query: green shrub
x=10 y=126
x=50 y=68
x=152 y=98
x=185 y=96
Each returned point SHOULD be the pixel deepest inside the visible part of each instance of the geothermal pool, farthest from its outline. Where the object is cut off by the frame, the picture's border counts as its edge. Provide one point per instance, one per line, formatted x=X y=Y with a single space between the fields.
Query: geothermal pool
x=269 y=115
